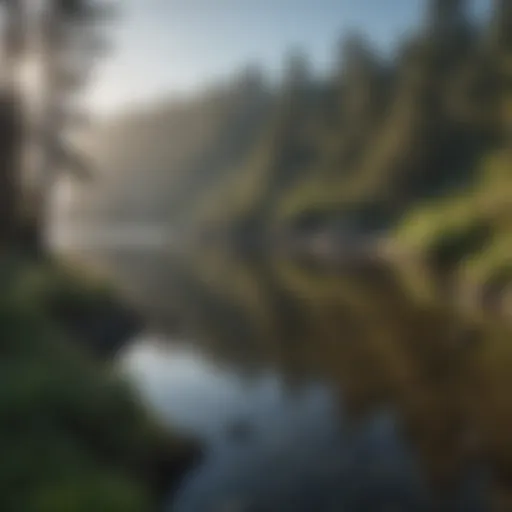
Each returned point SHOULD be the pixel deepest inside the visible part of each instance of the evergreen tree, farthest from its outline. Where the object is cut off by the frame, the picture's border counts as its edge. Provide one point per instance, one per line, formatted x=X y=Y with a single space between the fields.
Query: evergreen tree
x=70 y=43
x=362 y=91
x=11 y=119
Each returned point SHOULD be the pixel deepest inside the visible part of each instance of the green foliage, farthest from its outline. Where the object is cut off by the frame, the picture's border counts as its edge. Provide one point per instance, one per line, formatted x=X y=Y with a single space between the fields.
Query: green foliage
x=375 y=140
x=476 y=225
x=98 y=492
x=72 y=434
x=415 y=145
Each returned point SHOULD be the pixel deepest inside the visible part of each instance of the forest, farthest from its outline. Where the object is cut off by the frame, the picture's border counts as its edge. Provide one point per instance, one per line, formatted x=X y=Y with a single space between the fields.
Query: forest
x=413 y=148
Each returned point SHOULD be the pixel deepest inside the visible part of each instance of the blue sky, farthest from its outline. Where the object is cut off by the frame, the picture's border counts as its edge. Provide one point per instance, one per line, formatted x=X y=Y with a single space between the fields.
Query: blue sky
x=165 y=47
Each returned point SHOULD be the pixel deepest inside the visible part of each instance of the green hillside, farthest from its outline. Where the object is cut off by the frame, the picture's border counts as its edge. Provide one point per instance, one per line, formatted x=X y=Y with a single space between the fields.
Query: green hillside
x=416 y=144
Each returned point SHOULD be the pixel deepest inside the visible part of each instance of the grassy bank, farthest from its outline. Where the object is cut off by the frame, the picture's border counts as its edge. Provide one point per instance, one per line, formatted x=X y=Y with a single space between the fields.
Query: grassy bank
x=72 y=435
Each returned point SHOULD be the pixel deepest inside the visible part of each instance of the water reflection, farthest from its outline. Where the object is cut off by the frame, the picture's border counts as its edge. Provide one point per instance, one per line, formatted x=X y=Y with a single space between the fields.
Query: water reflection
x=297 y=452
x=321 y=389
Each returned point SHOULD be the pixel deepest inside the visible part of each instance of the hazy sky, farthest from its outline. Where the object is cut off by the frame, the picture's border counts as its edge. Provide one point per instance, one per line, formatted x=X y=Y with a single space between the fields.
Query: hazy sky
x=168 y=46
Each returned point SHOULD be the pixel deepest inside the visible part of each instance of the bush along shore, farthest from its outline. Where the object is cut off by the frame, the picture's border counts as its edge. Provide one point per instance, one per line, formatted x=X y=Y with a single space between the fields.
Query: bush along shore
x=73 y=435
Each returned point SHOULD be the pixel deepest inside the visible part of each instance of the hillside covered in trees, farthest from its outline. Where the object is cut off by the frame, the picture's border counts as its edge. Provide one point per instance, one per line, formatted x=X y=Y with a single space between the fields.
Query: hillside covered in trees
x=155 y=161
x=416 y=145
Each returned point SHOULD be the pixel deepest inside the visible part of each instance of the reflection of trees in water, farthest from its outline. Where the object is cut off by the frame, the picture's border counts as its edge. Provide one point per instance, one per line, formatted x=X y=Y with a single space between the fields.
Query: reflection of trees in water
x=359 y=331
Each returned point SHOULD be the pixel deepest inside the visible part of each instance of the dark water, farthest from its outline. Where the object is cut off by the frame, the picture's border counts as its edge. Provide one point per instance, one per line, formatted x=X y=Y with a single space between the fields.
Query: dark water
x=318 y=389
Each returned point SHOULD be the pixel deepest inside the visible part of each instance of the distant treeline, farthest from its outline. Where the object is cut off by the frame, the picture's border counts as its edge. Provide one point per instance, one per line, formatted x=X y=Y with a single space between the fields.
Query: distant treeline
x=417 y=145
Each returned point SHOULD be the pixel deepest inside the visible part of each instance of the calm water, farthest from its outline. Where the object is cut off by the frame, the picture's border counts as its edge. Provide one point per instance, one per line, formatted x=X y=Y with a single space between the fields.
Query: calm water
x=316 y=389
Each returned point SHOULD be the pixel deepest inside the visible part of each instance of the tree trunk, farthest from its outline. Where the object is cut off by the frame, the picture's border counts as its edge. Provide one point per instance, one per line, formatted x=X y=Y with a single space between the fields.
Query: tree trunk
x=10 y=166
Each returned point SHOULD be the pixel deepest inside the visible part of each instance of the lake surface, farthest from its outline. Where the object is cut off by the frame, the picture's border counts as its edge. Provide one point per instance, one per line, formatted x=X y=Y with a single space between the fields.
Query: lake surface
x=317 y=389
